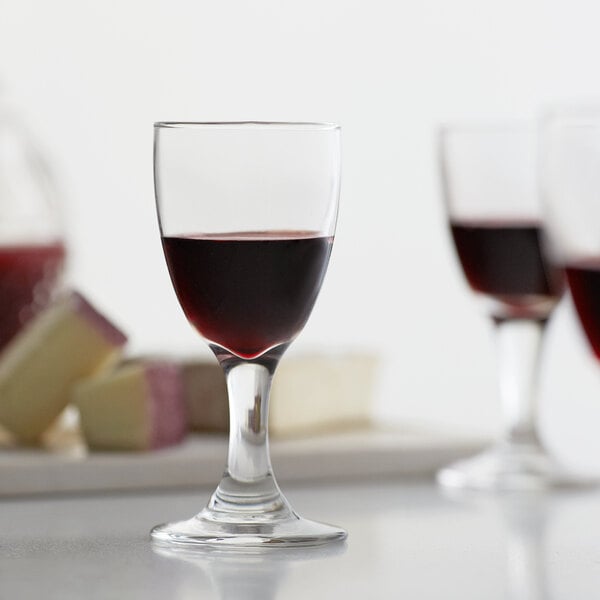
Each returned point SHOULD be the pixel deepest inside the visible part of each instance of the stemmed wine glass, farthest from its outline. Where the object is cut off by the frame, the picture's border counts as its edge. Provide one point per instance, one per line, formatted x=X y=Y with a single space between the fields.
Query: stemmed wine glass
x=247 y=213
x=570 y=185
x=490 y=186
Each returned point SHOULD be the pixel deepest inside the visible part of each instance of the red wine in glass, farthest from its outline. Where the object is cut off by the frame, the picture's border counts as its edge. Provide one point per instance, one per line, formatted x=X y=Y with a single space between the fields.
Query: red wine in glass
x=584 y=281
x=505 y=260
x=27 y=275
x=248 y=291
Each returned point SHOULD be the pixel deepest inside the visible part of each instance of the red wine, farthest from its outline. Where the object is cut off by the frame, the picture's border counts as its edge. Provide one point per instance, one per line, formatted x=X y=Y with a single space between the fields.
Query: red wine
x=248 y=292
x=505 y=261
x=27 y=275
x=584 y=281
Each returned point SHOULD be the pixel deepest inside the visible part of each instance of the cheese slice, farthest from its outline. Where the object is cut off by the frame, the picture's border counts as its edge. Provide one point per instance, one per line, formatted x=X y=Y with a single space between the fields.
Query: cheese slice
x=310 y=394
x=138 y=406
x=319 y=394
x=67 y=342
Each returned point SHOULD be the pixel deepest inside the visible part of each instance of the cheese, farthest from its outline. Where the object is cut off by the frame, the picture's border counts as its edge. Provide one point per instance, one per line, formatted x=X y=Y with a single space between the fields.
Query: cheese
x=318 y=394
x=67 y=342
x=138 y=406
x=205 y=393
x=311 y=394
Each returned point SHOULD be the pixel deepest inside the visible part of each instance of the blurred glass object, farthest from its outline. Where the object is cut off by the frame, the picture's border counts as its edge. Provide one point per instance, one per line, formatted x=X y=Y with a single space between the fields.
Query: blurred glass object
x=570 y=182
x=32 y=250
x=490 y=191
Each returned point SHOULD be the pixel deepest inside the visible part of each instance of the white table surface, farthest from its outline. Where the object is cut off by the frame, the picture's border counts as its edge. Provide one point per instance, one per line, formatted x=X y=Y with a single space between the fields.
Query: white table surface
x=406 y=540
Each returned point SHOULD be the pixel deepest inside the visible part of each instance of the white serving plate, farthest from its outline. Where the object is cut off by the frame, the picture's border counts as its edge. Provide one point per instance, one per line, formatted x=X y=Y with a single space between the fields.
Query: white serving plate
x=372 y=452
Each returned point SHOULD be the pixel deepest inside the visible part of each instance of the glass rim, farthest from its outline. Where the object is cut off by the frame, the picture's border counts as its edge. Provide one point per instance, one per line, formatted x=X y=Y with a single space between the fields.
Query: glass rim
x=290 y=125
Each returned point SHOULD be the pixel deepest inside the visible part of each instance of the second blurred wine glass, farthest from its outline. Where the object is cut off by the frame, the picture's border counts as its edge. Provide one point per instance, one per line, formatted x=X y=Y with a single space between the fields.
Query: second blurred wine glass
x=570 y=184
x=492 y=200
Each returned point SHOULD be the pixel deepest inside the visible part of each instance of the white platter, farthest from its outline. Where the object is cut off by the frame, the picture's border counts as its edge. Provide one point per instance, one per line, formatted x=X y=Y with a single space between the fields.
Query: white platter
x=200 y=460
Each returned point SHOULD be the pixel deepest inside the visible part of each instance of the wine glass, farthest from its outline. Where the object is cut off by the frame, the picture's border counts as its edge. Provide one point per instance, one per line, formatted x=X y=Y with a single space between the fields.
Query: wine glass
x=570 y=184
x=490 y=187
x=32 y=251
x=247 y=213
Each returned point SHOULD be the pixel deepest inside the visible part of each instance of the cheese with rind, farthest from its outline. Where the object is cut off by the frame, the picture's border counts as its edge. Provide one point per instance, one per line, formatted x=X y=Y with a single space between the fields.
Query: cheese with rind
x=67 y=342
x=139 y=406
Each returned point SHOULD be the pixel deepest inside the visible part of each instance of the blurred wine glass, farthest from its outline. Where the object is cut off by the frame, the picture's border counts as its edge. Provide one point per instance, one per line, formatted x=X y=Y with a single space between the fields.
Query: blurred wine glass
x=32 y=251
x=490 y=188
x=570 y=183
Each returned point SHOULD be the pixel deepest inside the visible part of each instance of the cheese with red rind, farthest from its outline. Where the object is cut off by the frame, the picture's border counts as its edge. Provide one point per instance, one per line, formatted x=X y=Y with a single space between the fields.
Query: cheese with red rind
x=136 y=407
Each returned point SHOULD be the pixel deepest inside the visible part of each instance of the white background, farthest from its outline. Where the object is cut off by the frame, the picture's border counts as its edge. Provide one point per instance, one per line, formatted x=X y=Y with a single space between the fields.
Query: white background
x=91 y=77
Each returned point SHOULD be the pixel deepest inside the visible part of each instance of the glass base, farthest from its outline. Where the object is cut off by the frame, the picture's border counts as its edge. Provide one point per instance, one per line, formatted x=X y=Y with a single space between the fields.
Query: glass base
x=508 y=467
x=209 y=529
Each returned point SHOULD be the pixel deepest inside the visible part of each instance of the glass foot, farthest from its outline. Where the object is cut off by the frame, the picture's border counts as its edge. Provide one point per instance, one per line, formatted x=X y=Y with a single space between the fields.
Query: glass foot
x=207 y=529
x=509 y=468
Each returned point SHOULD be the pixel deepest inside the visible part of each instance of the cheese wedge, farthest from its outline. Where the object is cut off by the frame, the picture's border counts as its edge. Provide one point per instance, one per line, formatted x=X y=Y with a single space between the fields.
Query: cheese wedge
x=138 y=406
x=67 y=342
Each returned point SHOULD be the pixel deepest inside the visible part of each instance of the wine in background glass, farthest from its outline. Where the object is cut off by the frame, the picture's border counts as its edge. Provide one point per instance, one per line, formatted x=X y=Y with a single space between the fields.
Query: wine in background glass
x=505 y=261
x=32 y=252
x=490 y=189
x=570 y=183
x=247 y=213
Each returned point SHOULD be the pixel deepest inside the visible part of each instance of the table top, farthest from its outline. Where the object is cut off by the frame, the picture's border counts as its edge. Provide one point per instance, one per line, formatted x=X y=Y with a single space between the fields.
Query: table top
x=407 y=539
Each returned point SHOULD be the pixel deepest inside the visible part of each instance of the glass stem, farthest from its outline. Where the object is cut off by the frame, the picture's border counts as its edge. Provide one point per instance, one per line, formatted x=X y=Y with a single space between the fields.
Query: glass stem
x=248 y=484
x=519 y=342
